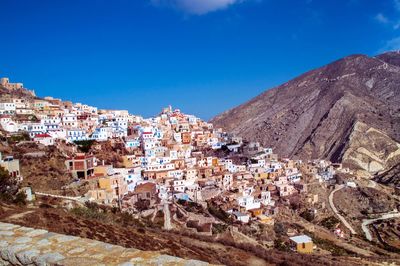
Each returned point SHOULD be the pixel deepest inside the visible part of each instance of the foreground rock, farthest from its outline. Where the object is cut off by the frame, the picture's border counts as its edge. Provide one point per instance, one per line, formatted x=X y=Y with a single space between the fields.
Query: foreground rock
x=27 y=246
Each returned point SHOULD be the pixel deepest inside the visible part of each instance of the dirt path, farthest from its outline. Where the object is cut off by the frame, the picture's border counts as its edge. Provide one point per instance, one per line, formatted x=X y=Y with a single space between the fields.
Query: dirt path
x=342 y=219
x=367 y=222
x=19 y=215
x=167 y=217
x=324 y=234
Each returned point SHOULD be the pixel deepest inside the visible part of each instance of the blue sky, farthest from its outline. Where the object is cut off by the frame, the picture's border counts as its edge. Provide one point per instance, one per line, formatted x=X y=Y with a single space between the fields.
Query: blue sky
x=203 y=56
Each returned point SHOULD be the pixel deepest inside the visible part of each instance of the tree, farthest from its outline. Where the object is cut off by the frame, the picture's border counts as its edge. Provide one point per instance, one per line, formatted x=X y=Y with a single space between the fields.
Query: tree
x=8 y=185
x=142 y=205
x=84 y=145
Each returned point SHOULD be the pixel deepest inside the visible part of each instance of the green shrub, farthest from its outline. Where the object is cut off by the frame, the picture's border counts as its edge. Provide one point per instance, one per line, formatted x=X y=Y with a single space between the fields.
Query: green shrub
x=8 y=186
x=280 y=228
x=219 y=228
x=84 y=145
x=219 y=213
x=19 y=137
x=330 y=222
x=89 y=213
x=20 y=198
x=281 y=245
x=308 y=215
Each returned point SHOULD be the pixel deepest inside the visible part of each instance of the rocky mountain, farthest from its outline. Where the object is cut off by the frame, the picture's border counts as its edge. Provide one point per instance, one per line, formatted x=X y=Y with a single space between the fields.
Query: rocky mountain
x=6 y=94
x=347 y=111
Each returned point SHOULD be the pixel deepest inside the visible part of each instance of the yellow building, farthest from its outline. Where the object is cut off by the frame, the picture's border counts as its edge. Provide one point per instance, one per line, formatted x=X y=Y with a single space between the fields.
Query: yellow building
x=260 y=176
x=100 y=195
x=105 y=183
x=265 y=219
x=129 y=161
x=302 y=244
x=103 y=170
x=12 y=166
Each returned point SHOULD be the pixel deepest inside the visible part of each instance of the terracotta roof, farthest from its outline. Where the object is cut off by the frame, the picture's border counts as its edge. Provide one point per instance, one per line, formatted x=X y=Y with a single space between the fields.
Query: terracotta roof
x=45 y=135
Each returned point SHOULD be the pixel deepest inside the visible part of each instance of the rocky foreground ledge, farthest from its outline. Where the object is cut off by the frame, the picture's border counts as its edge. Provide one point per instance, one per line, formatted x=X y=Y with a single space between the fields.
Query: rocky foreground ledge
x=28 y=246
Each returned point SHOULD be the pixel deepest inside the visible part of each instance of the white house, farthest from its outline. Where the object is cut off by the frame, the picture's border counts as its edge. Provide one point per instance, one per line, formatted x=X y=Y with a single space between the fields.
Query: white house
x=248 y=202
x=70 y=121
x=44 y=139
x=52 y=123
x=243 y=217
x=76 y=134
x=102 y=133
x=132 y=142
x=178 y=185
x=8 y=124
x=33 y=128
x=7 y=108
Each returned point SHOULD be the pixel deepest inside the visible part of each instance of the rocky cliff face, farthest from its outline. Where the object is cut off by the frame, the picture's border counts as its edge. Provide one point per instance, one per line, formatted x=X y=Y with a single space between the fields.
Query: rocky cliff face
x=325 y=113
x=370 y=151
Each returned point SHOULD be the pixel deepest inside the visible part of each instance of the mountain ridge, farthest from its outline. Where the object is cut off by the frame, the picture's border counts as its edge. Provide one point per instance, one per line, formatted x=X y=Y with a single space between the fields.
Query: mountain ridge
x=298 y=117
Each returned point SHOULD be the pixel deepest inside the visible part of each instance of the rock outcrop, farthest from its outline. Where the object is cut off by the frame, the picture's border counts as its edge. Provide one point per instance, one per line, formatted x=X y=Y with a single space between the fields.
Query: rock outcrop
x=319 y=114
x=370 y=150
x=27 y=246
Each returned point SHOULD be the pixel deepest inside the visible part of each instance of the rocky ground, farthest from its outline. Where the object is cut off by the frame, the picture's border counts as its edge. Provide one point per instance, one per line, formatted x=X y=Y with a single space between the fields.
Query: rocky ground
x=388 y=233
x=117 y=228
x=357 y=203
x=391 y=177
x=28 y=246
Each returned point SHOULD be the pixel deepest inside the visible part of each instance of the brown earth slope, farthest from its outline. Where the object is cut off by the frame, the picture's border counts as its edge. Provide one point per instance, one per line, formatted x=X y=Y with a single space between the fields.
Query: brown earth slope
x=322 y=113
x=122 y=229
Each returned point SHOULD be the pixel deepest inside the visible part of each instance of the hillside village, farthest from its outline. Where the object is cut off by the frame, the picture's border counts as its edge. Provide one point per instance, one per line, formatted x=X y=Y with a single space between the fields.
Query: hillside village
x=174 y=163
x=168 y=157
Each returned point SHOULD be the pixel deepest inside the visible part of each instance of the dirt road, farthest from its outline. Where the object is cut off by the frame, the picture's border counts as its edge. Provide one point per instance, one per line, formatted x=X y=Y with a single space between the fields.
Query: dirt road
x=342 y=219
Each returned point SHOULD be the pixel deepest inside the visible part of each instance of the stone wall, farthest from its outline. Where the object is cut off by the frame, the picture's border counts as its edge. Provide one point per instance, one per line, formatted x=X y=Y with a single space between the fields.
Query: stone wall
x=27 y=246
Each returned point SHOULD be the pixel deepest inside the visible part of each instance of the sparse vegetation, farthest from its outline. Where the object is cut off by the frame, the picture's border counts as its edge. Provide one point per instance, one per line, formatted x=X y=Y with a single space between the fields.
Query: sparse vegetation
x=309 y=215
x=84 y=145
x=219 y=213
x=9 y=188
x=219 y=228
x=191 y=206
x=329 y=246
x=330 y=222
x=24 y=136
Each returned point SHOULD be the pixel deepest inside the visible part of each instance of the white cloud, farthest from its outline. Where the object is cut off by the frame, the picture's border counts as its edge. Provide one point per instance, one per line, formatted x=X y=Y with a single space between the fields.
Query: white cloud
x=391 y=45
x=382 y=18
x=197 y=7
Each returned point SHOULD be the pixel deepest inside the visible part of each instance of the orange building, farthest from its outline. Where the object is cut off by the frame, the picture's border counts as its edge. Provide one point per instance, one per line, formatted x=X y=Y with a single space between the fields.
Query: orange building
x=302 y=244
x=186 y=138
x=81 y=165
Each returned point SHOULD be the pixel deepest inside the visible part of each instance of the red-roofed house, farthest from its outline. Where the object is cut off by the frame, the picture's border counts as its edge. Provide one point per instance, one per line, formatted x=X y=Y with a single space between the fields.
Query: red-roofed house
x=44 y=139
x=81 y=165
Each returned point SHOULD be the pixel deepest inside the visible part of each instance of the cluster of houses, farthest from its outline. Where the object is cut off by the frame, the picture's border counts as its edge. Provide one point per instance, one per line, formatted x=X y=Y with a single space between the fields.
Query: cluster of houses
x=322 y=170
x=53 y=118
x=169 y=160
